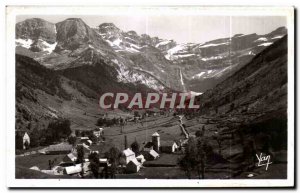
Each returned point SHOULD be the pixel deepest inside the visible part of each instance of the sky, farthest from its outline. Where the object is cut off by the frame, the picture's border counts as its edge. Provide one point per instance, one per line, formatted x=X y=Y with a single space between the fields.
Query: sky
x=182 y=29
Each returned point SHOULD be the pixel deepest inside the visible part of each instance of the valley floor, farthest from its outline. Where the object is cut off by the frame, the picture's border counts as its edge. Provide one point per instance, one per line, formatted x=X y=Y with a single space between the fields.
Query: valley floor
x=225 y=166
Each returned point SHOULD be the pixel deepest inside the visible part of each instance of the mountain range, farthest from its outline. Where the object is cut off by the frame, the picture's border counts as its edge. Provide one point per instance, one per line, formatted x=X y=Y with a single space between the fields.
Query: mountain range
x=67 y=65
x=139 y=59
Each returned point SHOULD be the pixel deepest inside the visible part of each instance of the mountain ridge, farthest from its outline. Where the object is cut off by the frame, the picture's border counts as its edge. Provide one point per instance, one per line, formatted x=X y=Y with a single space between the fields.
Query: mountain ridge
x=202 y=65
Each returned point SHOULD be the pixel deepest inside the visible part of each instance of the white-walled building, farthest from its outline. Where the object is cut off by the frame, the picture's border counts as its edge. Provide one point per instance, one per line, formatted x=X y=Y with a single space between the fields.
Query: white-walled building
x=128 y=155
x=133 y=166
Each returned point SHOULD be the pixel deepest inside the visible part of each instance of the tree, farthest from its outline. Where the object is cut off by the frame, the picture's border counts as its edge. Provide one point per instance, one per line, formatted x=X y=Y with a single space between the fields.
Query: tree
x=57 y=129
x=199 y=133
x=92 y=137
x=188 y=162
x=194 y=157
x=94 y=164
x=80 y=154
x=114 y=155
x=100 y=122
x=72 y=140
x=35 y=137
x=136 y=114
x=135 y=147
x=19 y=141
x=201 y=157
x=80 y=157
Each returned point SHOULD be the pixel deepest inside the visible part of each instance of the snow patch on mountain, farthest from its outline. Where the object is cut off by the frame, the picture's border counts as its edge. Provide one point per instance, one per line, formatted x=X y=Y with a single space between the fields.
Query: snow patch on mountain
x=213 y=45
x=48 y=47
x=185 y=55
x=162 y=43
x=198 y=75
x=192 y=93
x=276 y=37
x=251 y=53
x=26 y=43
x=115 y=43
x=213 y=58
x=266 y=44
x=175 y=50
x=218 y=74
x=262 y=39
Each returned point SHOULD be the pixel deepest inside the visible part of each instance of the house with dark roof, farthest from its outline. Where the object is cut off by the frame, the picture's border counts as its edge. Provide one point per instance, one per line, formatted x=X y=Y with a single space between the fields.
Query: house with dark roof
x=149 y=146
x=133 y=166
x=71 y=157
x=168 y=146
x=98 y=132
x=150 y=155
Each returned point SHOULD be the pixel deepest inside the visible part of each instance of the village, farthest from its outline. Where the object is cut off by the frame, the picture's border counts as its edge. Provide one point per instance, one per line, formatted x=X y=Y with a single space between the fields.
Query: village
x=153 y=146
x=107 y=152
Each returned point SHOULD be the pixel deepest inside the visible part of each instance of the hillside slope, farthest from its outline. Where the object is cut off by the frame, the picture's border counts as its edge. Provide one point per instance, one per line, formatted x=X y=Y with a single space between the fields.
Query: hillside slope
x=249 y=109
x=258 y=87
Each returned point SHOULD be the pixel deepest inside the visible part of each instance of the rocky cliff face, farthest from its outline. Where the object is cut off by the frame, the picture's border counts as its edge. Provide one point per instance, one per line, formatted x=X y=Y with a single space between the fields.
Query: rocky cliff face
x=36 y=29
x=36 y=35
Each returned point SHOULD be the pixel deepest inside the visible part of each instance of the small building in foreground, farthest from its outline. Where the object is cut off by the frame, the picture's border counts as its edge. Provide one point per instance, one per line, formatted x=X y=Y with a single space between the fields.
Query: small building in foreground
x=71 y=157
x=78 y=168
x=22 y=139
x=150 y=155
x=168 y=146
x=141 y=158
x=133 y=166
x=128 y=155
x=98 y=132
x=73 y=169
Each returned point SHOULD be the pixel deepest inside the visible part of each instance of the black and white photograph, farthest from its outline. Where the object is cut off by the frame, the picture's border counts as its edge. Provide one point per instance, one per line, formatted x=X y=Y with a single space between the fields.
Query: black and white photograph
x=151 y=96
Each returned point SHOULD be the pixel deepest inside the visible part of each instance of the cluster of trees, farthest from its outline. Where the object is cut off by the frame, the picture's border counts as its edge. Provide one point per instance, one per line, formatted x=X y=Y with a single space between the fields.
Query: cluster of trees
x=197 y=151
x=135 y=147
x=193 y=159
x=106 y=122
x=56 y=130
x=72 y=140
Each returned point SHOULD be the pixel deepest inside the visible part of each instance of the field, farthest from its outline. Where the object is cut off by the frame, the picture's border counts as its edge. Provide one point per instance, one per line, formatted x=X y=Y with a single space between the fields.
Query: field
x=167 y=127
x=39 y=160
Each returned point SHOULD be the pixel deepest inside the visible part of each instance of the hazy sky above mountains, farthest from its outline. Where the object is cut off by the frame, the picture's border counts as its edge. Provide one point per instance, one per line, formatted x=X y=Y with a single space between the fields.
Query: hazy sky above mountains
x=182 y=29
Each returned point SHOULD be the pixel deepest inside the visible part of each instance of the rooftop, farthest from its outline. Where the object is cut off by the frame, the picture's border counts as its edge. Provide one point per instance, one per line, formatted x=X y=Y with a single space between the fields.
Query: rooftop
x=60 y=147
x=128 y=152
